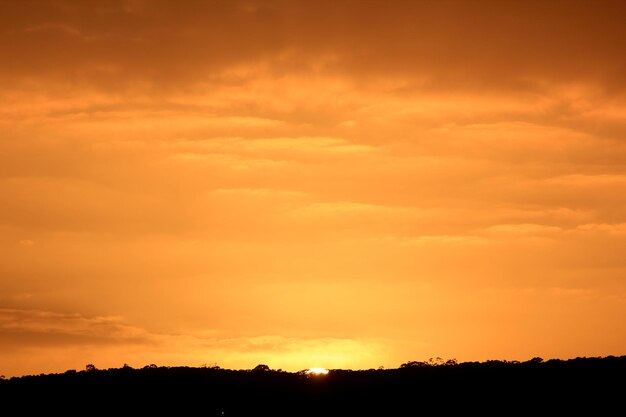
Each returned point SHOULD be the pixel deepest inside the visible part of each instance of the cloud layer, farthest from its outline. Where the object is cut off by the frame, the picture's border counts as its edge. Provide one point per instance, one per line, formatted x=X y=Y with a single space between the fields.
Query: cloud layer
x=402 y=180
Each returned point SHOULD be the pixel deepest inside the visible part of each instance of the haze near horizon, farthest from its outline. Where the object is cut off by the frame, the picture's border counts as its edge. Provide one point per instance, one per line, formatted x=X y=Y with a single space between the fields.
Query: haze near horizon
x=309 y=184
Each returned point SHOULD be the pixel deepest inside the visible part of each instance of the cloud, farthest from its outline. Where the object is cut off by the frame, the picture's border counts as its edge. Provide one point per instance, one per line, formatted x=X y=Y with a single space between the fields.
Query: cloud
x=210 y=171
x=27 y=335
x=498 y=44
x=617 y=229
x=289 y=148
x=67 y=30
x=524 y=229
x=27 y=329
x=434 y=240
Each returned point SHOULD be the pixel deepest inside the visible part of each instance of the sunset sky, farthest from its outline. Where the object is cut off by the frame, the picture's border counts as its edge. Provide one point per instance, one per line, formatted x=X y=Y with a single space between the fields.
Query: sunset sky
x=346 y=184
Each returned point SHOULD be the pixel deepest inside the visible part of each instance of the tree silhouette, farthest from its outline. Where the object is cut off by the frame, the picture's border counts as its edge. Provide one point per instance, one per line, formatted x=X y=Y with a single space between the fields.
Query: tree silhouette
x=483 y=388
x=261 y=368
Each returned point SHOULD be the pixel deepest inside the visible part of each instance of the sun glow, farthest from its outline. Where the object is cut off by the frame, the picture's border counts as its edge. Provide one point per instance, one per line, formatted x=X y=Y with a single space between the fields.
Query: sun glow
x=429 y=192
x=317 y=371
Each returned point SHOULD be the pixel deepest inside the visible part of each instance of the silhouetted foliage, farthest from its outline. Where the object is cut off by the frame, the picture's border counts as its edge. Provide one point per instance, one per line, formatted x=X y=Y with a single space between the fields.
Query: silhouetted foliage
x=413 y=364
x=591 y=386
x=431 y=362
x=213 y=366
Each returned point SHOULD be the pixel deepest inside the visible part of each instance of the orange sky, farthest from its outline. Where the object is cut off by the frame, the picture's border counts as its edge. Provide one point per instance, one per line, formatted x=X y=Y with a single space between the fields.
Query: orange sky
x=339 y=184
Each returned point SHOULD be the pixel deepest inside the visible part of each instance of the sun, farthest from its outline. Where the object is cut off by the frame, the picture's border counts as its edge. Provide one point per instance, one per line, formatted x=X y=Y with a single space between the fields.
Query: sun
x=317 y=371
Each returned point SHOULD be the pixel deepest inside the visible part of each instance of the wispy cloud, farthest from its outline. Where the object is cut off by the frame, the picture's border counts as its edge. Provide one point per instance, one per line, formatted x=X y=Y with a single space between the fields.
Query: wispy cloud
x=109 y=342
x=328 y=177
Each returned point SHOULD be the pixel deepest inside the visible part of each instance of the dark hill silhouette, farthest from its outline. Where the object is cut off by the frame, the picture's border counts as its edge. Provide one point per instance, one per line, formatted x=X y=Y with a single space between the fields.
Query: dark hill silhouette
x=592 y=385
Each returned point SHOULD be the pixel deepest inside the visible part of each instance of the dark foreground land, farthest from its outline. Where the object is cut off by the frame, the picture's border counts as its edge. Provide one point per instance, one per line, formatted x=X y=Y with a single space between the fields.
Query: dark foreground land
x=593 y=386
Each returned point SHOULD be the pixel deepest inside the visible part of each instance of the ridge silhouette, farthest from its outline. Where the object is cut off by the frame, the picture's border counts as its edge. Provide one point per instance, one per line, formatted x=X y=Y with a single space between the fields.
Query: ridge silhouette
x=593 y=385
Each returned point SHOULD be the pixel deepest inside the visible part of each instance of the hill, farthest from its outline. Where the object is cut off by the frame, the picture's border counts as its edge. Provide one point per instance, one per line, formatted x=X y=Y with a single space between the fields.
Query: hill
x=595 y=385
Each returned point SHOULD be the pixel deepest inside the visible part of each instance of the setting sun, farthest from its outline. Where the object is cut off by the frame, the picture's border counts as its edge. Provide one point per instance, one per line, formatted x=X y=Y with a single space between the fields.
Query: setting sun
x=317 y=371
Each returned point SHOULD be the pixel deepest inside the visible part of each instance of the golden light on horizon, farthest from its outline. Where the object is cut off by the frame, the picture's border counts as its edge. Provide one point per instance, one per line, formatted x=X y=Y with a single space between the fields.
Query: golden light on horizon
x=358 y=184
x=317 y=371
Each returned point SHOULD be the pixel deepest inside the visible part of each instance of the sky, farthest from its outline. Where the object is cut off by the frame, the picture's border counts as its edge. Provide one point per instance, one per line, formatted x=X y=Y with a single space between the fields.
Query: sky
x=346 y=184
